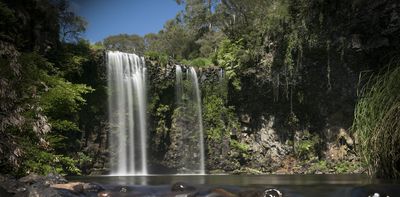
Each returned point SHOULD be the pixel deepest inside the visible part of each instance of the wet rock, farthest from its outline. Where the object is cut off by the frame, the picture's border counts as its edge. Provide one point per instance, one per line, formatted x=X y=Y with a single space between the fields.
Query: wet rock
x=271 y=143
x=86 y=189
x=182 y=187
x=92 y=187
x=11 y=185
x=272 y=193
x=251 y=193
x=374 y=195
x=4 y=192
x=124 y=189
x=31 y=178
x=345 y=139
x=356 y=41
x=104 y=194
x=266 y=150
x=75 y=186
x=245 y=129
x=40 y=190
x=339 y=145
x=50 y=179
x=221 y=193
x=55 y=179
x=376 y=190
x=78 y=188
x=183 y=151
x=245 y=118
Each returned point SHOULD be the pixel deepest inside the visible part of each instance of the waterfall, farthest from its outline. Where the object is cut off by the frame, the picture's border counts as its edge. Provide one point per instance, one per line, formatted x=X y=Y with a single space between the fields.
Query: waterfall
x=189 y=122
x=197 y=97
x=178 y=84
x=127 y=113
x=221 y=74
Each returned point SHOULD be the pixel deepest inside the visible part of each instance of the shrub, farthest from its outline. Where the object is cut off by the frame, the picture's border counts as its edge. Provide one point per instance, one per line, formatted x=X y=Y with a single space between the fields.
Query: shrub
x=305 y=148
x=199 y=62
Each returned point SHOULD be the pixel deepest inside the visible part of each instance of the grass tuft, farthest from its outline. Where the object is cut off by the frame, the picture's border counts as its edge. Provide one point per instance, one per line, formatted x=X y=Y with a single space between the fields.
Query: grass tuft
x=377 y=124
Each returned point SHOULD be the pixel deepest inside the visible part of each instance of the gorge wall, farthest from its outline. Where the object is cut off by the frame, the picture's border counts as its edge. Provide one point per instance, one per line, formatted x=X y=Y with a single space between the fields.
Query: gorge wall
x=250 y=130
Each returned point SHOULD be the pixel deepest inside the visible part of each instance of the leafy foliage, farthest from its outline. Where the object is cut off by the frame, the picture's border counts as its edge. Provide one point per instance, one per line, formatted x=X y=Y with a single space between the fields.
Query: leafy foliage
x=296 y=60
x=63 y=98
x=199 y=62
x=230 y=56
x=161 y=58
x=306 y=147
x=43 y=162
x=40 y=131
x=71 y=25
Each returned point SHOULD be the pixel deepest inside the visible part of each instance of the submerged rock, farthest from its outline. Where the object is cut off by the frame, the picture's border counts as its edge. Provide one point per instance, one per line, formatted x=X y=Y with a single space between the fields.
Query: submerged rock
x=182 y=187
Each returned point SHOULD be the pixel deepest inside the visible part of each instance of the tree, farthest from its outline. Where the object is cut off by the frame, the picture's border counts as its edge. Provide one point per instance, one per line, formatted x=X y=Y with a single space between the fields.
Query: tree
x=152 y=42
x=71 y=25
x=126 y=43
x=33 y=91
x=176 y=40
x=198 y=14
x=209 y=43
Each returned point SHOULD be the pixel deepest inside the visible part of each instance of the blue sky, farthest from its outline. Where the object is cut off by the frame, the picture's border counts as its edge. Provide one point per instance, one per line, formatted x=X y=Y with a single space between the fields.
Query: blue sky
x=111 y=17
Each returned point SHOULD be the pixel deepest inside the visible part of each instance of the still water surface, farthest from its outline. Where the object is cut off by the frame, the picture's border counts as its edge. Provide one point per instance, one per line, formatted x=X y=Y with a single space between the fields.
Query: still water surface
x=289 y=185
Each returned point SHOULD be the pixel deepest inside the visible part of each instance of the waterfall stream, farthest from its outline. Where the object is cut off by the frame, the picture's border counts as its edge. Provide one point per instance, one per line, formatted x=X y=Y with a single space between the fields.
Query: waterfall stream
x=197 y=101
x=190 y=121
x=127 y=113
x=127 y=116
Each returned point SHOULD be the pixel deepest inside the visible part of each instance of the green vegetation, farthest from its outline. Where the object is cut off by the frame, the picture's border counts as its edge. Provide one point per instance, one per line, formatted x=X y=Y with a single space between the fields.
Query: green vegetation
x=42 y=88
x=295 y=61
x=329 y=167
x=306 y=147
x=377 y=124
x=199 y=62
x=230 y=56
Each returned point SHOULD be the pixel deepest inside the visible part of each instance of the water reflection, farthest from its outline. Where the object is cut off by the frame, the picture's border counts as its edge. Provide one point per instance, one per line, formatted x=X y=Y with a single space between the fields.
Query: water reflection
x=237 y=180
x=289 y=185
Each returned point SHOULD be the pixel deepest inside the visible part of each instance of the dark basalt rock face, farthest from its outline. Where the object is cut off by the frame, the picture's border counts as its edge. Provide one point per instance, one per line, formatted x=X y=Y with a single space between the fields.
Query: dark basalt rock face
x=264 y=126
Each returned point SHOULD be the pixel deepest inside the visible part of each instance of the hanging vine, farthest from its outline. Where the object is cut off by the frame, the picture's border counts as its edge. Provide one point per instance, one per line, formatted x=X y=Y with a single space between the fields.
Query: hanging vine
x=328 y=67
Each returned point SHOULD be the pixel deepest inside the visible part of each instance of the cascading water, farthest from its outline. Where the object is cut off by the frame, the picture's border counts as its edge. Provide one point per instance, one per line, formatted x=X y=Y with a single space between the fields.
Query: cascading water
x=127 y=107
x=197 y=101
x=221 y=74
x=189 y=122
x=178 y=84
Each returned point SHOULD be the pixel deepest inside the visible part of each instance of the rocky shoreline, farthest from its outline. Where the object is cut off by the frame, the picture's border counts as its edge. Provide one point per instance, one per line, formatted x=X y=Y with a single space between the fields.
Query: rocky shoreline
x=54 y=185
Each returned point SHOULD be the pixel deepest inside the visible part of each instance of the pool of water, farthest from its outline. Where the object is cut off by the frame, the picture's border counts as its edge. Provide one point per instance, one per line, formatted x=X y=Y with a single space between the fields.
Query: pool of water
x=289 y=185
